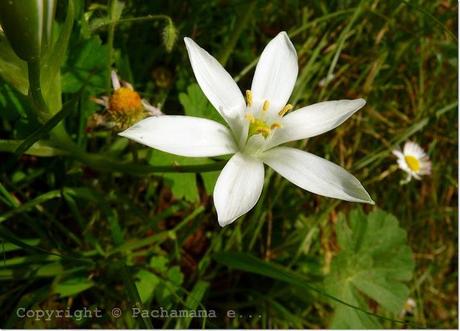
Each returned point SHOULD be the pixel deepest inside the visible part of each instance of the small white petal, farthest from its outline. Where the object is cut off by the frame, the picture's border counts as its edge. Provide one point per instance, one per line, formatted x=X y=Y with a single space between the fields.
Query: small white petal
x=183 y=135
x=218 y=86
x=152 y=110
x=276 y=73
x=411 y=148
x=313 y=120
x=127 y=85
x=398 y=154
x=238 y=187
x=115 y=80
x=315 y=174
x=103 y=101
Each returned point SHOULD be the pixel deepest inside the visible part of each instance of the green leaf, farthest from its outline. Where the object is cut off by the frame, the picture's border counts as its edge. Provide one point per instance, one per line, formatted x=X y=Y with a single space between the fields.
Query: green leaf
x=209 y=180
x=46 y=128
x=159 y=263
x=175 y=275
x=51 y=64
x=193 y=301
x=30 y=204
x=255 y=265
x=73 y=286
x=196 y=104
x=86 y=65
x=373 y=262
x=49 y=270
x=146 y=283
x=183 y=186
x=12 y=69
x=10 y=247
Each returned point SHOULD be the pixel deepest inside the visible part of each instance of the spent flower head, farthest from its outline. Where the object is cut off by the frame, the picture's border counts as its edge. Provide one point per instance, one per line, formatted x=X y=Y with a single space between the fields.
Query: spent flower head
x=125 y=106
x=257 y=126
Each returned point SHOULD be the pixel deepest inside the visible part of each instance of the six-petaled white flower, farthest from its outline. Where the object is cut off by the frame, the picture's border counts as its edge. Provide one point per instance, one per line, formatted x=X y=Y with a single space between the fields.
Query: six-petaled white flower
x=413 y=160
x=258 y=125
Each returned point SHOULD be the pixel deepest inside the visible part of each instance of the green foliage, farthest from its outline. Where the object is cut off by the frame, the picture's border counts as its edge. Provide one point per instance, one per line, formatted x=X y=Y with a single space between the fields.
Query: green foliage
x=52 y=61
x=73 y=286
x=86 y=66
x=196 y=104
x=374 y=261
x=12 y=69
x=183 y=186
x=90 y=219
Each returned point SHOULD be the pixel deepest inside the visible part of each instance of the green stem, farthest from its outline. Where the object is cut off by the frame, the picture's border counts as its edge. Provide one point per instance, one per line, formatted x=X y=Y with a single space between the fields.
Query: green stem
x=110 y=38
x=134 y=20
x=104 y=162
x=35 y=89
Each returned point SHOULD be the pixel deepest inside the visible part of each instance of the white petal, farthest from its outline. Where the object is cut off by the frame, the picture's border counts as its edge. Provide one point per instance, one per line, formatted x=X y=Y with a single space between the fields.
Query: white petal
x=215 y=82
x=115 y=80
x=238 y=188
x=315 y=119
x=398 y=154
x=315 y=174
x=183 y=135
x=411 y=148
x=152 y=110
x=103 y=101
x=276 y=73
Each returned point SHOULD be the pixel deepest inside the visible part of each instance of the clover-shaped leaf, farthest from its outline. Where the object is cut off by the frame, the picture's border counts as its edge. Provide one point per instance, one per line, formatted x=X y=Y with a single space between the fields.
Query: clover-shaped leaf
x=373 y=262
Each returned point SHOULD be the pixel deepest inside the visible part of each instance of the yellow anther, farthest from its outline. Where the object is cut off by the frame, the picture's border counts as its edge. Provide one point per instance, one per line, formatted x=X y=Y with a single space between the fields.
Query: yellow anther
x=263 y=131
x=275 y=126
x=249 y=98
x=250 y=118
x=266 y=105
x=285 y=110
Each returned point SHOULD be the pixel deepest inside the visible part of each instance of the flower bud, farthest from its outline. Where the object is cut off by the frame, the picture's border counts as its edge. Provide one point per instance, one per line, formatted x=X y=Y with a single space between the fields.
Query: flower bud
x=27 y=25
x=169 y=36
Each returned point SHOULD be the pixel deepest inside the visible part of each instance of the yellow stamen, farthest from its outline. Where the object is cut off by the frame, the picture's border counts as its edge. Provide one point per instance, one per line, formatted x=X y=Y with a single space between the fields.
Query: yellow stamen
x=266 y=105
x=275 y=126
x=412 y=163
x=285 y=110
x=264 y=131
x=249 y=98
x=250 y=118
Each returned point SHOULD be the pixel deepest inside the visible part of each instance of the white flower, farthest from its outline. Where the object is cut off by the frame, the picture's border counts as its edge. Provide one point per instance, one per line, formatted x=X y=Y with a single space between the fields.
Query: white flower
x=257 y=127
x=413 y=160
x=409 y=307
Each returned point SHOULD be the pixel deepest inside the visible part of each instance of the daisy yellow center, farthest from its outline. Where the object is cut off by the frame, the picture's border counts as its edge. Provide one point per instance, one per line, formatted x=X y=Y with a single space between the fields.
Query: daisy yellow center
x=412 y=163
x=125 y=100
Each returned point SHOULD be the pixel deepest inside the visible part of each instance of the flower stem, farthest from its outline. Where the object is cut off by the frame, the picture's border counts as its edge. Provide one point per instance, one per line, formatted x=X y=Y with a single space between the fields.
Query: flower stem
x=35 y=90
x=103 y=162
x=110 y=38
x=134 y=20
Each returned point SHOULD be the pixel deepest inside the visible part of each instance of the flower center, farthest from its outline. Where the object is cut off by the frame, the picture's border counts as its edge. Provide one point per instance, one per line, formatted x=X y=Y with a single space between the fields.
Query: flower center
x=125 y=100
x=412 y=163
x=261 y=121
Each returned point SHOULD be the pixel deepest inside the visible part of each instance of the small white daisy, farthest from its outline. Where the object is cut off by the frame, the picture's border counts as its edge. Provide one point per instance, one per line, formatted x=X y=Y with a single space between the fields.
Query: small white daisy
x=413 y=160
x=409 y=308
